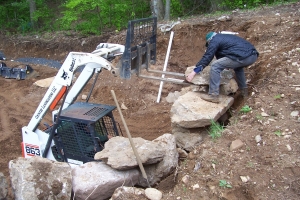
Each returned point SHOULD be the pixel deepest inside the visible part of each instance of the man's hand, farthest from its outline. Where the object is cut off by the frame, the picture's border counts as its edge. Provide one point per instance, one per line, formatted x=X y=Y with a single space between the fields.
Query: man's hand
x=190 y=77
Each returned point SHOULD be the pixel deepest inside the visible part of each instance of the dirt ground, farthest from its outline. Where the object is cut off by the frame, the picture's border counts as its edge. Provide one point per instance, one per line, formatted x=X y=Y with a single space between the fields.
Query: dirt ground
x=272 y=165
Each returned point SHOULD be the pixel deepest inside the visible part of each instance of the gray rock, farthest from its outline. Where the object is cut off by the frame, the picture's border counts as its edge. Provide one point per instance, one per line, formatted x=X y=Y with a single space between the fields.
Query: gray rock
x=182 y=153
x=295 y=113
x=228 y=84
x=190 y=111
x=3 y=186
x=172 y=96
x=129 y=193
x=230 y=88
x=187 y=141
x=98 y=181
x=40 y=178
x=153 y=194
x=203 y=77
x=118 y=153
x=157 y=172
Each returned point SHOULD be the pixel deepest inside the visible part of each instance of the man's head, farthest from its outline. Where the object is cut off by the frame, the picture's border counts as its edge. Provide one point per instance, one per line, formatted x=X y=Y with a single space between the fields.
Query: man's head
x=209 y=36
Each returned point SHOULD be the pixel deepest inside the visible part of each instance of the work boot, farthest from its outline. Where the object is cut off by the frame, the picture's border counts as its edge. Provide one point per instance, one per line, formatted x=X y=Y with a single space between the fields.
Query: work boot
x=211 y=98
x=244 y=92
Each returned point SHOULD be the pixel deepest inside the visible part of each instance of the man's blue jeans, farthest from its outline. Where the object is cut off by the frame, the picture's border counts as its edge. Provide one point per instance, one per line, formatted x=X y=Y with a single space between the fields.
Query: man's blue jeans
x=238 y=66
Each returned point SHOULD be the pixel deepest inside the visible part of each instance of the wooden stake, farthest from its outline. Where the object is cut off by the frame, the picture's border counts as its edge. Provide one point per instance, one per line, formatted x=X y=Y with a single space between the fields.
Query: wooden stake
x=130 y=139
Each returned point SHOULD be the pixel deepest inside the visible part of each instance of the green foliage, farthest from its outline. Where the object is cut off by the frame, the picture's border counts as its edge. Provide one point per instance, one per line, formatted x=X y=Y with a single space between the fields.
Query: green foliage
x=278 y=133
x=250 y=164
x=15 y=15
x=184 y=188
x=224 y=184
x=278 y=96
x=176 y=8
x=86 y=16
x=215 y=130
x=44 y=18
x=245 y=109
x=232 y=4
x=183 y=8
x=93 y=16
x=250 y=4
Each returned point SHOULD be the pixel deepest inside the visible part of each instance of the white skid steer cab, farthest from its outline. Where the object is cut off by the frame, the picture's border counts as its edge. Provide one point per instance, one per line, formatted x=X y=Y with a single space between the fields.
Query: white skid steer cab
x=80 y=129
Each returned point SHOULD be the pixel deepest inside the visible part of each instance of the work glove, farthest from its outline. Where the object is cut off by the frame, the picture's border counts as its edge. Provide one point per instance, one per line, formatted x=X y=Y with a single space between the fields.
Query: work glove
x=198 y=68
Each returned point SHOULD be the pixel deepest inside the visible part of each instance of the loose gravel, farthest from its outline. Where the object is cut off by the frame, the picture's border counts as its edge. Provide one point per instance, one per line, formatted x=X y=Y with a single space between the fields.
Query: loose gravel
x=40 y=61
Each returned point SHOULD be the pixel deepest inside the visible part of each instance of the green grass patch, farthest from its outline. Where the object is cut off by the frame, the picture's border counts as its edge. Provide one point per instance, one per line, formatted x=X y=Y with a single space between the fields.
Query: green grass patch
x=278 y=133
x=278 y=96
x=215 y=130
x=245 y=109
x=224 y=184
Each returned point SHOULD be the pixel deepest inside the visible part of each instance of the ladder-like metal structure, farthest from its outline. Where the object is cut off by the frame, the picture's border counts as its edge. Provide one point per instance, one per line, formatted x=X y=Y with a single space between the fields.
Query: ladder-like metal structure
x=140 y=52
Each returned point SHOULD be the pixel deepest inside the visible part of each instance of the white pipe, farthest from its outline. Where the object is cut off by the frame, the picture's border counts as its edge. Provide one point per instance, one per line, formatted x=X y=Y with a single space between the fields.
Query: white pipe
x=165 y=66
x=229 y=32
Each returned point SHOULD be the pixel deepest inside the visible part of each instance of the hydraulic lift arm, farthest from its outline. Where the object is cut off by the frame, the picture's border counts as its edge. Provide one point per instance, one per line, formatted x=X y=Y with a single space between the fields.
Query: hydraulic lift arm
x=64 y=77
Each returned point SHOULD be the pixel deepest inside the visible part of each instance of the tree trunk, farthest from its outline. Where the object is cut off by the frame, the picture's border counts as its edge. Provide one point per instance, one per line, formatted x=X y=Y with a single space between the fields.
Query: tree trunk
x=167 y=10
x=157 y=8
x=214 y=5
x=32 y=9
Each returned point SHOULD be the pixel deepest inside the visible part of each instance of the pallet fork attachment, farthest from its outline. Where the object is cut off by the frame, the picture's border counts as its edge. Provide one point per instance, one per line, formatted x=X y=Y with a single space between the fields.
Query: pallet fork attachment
x=140 y=52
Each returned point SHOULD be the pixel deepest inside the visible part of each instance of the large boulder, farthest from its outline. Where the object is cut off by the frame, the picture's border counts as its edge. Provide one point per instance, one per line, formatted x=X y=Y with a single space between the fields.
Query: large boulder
x=203 y=77
x=190 y=111
x=119 y=154
x=96 y=180
x=157 y=172
x=40 y=178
